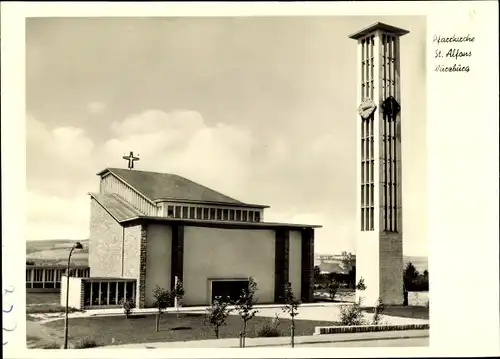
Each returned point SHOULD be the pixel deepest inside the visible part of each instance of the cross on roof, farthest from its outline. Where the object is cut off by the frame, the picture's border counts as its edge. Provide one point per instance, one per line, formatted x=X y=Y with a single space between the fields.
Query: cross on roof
x=131 y=158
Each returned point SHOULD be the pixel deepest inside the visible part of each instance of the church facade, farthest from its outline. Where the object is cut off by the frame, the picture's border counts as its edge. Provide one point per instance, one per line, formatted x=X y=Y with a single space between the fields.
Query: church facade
x=154 y=228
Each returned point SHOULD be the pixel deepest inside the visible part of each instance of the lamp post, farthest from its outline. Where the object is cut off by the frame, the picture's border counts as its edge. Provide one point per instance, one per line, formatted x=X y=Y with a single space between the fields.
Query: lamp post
x=77 y=245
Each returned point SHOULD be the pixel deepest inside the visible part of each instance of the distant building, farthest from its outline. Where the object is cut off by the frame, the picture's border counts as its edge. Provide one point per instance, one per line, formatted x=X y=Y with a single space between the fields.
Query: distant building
x=329 y=263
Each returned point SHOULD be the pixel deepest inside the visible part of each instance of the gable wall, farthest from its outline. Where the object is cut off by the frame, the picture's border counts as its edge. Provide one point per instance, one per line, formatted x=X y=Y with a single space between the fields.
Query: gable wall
x=106 y=240
x=111 y=184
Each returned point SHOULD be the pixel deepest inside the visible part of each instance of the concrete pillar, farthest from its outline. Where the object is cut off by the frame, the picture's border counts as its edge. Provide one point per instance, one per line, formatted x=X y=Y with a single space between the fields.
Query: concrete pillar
x=379 y=240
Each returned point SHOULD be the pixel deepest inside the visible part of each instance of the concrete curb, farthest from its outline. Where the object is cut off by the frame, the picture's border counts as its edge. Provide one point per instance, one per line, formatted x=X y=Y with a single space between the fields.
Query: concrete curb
x=368 y=328
x=338 y=341
x=281 y=341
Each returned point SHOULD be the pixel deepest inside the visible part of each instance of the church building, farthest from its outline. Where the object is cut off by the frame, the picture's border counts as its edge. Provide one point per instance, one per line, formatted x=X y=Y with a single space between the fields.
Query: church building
x=152 y=228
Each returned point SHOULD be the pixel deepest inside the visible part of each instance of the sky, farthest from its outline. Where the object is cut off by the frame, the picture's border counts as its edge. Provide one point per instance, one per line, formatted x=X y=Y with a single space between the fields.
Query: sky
x=262 y=109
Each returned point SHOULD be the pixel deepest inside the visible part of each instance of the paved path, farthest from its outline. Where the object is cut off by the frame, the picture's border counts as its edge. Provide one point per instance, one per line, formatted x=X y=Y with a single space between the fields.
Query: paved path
x=401 y=342
x=396 y=338
x=307 y=311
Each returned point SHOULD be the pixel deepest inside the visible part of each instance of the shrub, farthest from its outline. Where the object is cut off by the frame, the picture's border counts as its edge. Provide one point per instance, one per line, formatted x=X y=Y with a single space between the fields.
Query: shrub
x=377 y=313
x=86 y=343
x=352 y=314
x=128 y=306
x=51 y=346
x=333 y=287
x=268 y=330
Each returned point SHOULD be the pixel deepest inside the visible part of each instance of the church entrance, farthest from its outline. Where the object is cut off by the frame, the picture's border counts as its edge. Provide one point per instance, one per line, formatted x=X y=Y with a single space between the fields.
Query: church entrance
x=228 y=289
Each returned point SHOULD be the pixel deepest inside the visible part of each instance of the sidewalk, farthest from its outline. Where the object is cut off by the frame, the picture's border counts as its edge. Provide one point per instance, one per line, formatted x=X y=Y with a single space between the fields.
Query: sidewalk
x=280 y=341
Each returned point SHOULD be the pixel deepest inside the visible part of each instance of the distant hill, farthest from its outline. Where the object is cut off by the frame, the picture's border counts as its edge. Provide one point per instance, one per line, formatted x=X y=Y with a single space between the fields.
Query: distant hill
x=53 y=252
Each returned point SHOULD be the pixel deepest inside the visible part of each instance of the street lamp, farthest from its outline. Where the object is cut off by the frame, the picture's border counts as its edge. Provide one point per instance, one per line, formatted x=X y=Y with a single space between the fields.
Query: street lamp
x=77 y=245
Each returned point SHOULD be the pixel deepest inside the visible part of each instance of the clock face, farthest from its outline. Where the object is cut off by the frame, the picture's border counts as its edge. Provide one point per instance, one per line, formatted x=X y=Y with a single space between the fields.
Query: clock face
x=391 y=107
x=366 y=108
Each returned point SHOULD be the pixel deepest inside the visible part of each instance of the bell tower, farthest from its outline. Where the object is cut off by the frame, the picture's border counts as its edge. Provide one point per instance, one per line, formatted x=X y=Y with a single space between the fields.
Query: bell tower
x=379 y=239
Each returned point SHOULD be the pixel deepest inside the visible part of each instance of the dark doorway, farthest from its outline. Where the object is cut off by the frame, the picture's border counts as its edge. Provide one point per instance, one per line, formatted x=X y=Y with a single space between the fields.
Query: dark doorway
x=228 y=289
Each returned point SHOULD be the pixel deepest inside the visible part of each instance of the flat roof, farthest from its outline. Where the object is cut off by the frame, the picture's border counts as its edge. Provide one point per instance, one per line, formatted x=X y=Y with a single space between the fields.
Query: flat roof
x=378 y=26
x=216 y=223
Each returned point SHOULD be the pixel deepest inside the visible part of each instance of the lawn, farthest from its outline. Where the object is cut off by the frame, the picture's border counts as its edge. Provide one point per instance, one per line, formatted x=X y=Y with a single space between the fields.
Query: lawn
x=141 y=329
x=42 y=298
x=416 y=312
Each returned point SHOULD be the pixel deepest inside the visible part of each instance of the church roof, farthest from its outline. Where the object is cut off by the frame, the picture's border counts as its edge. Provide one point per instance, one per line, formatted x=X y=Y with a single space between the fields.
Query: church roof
x=166 y=186
x=123 y=213
x=119 y=209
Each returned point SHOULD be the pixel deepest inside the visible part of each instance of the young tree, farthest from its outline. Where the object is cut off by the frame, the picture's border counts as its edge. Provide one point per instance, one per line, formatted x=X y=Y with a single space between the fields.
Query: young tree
x=178 y=294
x=317 y=273
x=333 y=287
x=162 y=300
x=291 y=305
x=347 y=265
x=245 y=305
x=426 y=273
x=217 y=314
x=346 y=262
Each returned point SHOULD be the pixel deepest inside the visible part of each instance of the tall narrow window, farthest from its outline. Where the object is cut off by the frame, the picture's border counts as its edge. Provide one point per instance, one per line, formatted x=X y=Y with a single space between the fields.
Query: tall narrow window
x=199 y=213
x=212 y=213
x=205 y=213
x=170 y=211
x=238 y=215
x=231 y=214
x=185 y=212
x=225 y=215
x=178 y=210
x=219 y=214
x=257 y=216
x=244 y=216
x=192 y=212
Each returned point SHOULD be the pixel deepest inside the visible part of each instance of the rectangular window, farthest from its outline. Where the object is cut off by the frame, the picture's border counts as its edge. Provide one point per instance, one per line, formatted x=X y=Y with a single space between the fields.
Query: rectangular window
x=199 y=213
x=257 y=216
x=250 y=216
x=205 y=213
x=244 y=216
x=372 y=218
x=238 y=215
x=192 y=212
x=212 y=213
x=231 y=214
x=225 y=214
x=185 y=212
x=362 y=219
x=177 y=212
x=219 y=214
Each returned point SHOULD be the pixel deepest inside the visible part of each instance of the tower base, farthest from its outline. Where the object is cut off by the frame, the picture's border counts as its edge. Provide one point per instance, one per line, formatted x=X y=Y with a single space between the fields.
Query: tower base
x=379 y=262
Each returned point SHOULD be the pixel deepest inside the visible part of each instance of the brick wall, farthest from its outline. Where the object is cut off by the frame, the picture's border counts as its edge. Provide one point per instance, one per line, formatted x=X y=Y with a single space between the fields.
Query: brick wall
x=106 y=240
x=391 y=268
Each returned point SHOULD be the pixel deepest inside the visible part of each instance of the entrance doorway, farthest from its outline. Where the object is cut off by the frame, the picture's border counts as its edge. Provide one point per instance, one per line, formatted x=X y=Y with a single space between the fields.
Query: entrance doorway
x=228 y=289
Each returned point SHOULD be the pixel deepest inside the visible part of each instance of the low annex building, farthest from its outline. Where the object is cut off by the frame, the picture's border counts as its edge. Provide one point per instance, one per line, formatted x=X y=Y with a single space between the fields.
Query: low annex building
x=148 y=229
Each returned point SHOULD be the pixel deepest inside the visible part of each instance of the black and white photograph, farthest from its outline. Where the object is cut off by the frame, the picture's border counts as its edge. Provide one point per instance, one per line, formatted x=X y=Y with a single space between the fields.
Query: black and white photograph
x=265 y=180
x=226 y=182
